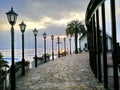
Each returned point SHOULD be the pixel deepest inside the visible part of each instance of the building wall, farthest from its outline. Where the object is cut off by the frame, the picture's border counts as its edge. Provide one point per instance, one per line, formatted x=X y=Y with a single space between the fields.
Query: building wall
x=83 y=42
x=109 y=44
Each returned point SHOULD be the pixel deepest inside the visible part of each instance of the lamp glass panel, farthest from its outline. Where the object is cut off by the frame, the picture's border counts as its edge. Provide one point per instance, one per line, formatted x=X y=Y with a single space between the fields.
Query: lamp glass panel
x=8 y=16
x=12 y=18
x=35 y=32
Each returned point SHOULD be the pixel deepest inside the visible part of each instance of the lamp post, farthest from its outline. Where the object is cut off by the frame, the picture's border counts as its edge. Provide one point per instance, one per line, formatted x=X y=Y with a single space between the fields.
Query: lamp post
x=64 y=45
x=35 y=32
x=44 y=36
x=58 y=39
x=12 y=17
x=52 y=37
x=22 y=28
x=70 y=45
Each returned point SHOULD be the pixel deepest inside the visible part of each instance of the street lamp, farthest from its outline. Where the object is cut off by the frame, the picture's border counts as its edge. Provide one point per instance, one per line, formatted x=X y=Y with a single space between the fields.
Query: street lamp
x=44 y=36
x=35 y=32
x=58 y=39
x=64 y=45
x=52 y=37
x=12 y=17
x=22 y=28
x=70 y=45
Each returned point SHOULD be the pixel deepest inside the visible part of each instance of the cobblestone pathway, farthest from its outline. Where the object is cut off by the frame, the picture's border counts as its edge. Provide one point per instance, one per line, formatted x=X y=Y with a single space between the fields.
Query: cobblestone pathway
x=66 y=73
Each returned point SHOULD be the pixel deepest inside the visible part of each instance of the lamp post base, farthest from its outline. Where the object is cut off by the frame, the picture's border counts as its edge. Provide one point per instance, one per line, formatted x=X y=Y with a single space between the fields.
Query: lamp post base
x=52 y=55
x=13 y=80
x=23 y=67
x=35 y=61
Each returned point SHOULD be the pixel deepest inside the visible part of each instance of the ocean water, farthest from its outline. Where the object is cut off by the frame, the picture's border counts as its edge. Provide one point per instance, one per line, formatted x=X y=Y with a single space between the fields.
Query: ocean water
x=28 y=54
x=8 y=59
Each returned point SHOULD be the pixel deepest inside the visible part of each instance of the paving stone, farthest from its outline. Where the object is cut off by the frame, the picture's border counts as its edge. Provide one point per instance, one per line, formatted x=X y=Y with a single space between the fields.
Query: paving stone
x=66 y=73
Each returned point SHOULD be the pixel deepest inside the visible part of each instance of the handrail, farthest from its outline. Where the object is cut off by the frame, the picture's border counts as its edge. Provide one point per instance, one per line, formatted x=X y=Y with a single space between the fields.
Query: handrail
x=92 y=6
x=92 y=22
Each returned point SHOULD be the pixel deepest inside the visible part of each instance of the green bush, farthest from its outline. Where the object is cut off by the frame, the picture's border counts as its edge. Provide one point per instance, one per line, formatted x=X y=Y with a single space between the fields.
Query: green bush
x=40 y=58
x=18 y=65
x=47 y=55
x=43 y=56
x=3 y=71
x=3 y=64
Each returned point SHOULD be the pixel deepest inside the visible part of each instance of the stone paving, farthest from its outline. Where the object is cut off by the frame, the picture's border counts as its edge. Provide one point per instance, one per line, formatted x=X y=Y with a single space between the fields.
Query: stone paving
x=71 y=72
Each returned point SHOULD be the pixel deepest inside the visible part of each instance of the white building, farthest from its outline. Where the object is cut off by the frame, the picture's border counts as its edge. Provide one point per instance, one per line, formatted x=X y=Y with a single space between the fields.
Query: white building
x=84 y=45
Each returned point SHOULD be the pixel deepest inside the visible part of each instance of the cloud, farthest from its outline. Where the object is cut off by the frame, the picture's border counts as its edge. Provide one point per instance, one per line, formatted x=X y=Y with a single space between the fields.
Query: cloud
x=67 y=17
x=50 y=16
x=118 y=11
x=42 y=13
x=36 y=9
x=46 y=21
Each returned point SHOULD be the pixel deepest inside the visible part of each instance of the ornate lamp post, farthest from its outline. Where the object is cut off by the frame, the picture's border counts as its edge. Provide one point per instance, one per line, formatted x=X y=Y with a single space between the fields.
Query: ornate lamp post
x=64 y=45
x=12 y=17
x=70 y=45
x=58 y=39
x=52 y=37
x=35 y=32
x=44 y=36
x=22 y=28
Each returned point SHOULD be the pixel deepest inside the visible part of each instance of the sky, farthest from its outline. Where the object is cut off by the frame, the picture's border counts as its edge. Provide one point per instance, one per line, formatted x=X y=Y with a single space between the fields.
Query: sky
x=50 y=16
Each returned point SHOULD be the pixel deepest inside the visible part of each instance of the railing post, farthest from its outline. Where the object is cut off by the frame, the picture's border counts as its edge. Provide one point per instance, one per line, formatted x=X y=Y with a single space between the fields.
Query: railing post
x=98 y=47
x=92 y=47
x=114 y=53
x=90 y=43
x=94 y=43
x=104 y=48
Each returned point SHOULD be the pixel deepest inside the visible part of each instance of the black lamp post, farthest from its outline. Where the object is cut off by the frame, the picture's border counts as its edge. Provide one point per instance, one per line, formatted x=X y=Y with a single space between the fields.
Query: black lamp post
x=70 y=45
x=35 y=32
x=12 y=17
x=44 y=36
x=22 y=28
x=52 y=37
x=64 y=45
x=58 y=39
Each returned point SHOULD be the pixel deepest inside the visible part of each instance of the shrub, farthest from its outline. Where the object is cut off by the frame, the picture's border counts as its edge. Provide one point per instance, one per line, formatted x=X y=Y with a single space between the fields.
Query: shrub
x=18 y=65
x=40 y=58
x=47 y=55
x=3 y=64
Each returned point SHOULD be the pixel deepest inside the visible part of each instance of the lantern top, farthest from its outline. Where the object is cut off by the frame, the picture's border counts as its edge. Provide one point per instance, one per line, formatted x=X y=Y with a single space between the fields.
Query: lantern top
x=58 y=38
x=35 y=32
x=64 y=38
x=52 y=37
x=12 y=16
x=22 y=26
x=44 y=35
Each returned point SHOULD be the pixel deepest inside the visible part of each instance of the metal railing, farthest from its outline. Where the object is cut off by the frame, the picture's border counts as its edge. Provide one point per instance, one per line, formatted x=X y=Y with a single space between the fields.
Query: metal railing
x=94 y=40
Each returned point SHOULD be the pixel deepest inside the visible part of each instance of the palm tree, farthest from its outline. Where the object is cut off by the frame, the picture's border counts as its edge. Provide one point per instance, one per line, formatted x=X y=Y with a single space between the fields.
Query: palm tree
x=74 y=28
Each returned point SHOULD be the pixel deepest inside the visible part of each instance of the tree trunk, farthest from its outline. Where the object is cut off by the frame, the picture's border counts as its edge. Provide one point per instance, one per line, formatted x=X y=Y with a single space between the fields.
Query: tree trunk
x=76 y=50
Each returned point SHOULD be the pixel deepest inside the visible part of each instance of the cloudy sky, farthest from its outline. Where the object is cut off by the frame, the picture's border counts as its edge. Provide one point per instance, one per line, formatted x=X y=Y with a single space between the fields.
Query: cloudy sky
x=50 y=16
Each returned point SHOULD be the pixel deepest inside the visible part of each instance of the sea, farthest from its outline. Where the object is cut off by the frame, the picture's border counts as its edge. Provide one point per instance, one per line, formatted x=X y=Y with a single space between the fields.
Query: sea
x=28 y=54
